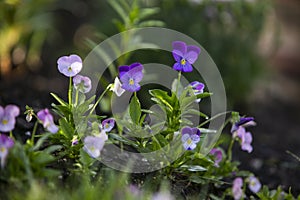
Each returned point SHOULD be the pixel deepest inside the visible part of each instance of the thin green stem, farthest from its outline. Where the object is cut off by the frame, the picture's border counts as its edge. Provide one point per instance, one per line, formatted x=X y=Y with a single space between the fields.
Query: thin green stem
x=11 y=134
x=214 y=117
x=99 y=99
x=229 y=150
x=34 y=132
x=70 y=92
x=178 y=82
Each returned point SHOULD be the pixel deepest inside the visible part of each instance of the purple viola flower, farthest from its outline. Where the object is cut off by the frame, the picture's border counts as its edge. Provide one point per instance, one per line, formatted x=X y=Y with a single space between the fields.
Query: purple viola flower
x=82 y=83
x=69 y=65
x=74 y=140
x=117 y=87
x=254 y=184
x=94 y=144
x=246 y=139
x=131 y=76
x=198 y=88
x=244 y=121
x=217 y=153
x=108 y=124
x=190 y=137
x=237 y=188
x=5 y=144
x=184 y=55
x=47 y=120
x=8 y=117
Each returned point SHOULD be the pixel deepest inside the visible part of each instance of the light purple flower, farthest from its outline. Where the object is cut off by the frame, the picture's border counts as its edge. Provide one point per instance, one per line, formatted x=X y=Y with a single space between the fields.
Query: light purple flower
x=164 y=195
x=244 y=121
x=184 y=55
x=217 y=153
x=130 y=76
x=108 y=124
x=47 y=120
x=190 y=137
x=82 y=83
x=94 y=144
x=246 y=139
x=69 y=65
x=8 y=117
x=198 y=88
x=237 y=188
x=5 y=144
x=117 y=87
x=254 y=184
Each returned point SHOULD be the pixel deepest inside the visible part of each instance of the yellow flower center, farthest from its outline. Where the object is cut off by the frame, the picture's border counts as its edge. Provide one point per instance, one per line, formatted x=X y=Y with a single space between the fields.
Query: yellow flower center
x=189 y=141
x=2 y=149
x=4 y=121
x=107 y=125
x=183 y=61
x=69 y=69
x=131 y=81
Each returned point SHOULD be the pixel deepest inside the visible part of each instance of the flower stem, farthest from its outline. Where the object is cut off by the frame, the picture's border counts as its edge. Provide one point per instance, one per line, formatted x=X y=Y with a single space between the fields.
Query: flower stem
x=178 y=82
x=70 y=92
x=33 y=132
x=99 y=99
x=229 y=150
x=214 y=117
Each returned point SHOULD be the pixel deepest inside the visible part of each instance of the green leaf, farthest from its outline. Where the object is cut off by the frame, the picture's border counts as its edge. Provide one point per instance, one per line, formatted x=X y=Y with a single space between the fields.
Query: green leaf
x=66 y=128
x=42 y=158
x=194 y=168
x=52 y=148
x=135 y=109
x=62 y=102
x=122 y=139
x=41 y=141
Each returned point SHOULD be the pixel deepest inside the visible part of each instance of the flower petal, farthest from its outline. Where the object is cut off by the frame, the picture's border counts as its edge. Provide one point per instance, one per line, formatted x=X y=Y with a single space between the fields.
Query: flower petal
x=178 y=67
x=12 y=110
x=187 y=67
x=180 y=48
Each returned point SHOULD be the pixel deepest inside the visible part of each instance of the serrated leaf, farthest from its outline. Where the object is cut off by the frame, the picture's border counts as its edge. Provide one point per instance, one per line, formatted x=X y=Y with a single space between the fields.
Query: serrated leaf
x=135 y=109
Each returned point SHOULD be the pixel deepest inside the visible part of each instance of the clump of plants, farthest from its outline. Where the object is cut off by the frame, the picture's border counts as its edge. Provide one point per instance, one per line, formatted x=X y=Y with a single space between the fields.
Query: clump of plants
x=70 y=155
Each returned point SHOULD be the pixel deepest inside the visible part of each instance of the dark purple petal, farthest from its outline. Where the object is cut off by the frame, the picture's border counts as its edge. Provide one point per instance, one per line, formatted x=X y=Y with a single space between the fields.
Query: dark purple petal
x=177 y=66
x=123 y=69
x=244 y=120
x=187 y=130
x=137 y=66
x=6 y=141
x=187 y=67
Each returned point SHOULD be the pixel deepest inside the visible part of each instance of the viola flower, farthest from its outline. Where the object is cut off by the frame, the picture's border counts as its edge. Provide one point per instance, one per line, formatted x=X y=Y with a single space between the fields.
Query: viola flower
x=5 y=144
x=246 y=139
x=117 y=87
x=108 y=124
x=82 y=83
x=47 y=120
x=74 y=140
x=254 y=184
x=217 y=153
x=69 y=65
x=244 y=121
x=184 y=55
x=190 y=137
x=237 y=188
x=94 y=144
x=198 y=88
x=8 y=117
x=131 y=76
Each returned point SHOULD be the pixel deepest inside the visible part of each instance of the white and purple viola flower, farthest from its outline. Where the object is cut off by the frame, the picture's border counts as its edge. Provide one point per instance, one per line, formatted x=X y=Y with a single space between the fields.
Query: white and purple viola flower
x=217 y=153
x=82 y=83
x=245 y=138
x=131 y=76
x=108 y=124
x=94 y=144
x=5 y=144
x=198 y=88
x=237 y=190
x=8 y=117
x=190 y=137
x=69 y=65
x=254 y=184
x=117 y=87
x=47 y=120
x=185 y=56
x=244 y=122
